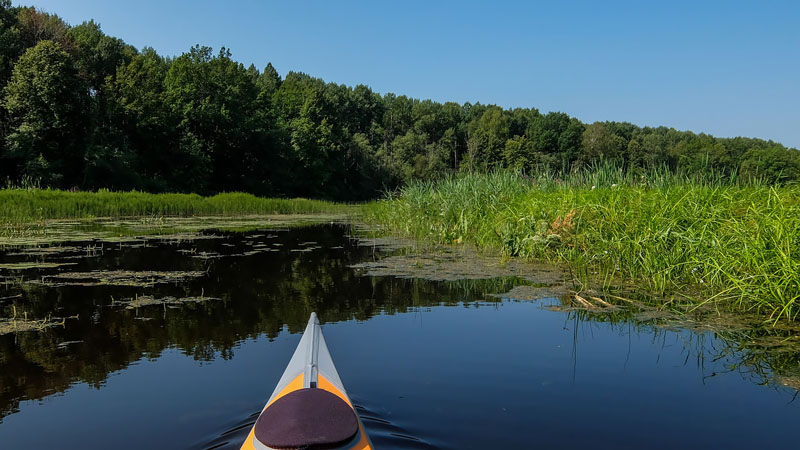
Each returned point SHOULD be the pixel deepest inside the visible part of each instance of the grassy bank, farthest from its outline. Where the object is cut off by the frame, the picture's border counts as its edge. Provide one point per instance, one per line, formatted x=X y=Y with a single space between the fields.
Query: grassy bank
x=20 y=206
x=724 y=241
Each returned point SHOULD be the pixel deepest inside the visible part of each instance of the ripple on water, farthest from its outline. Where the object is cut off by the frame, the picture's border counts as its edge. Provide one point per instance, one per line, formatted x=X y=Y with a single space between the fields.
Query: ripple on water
x=382 y=432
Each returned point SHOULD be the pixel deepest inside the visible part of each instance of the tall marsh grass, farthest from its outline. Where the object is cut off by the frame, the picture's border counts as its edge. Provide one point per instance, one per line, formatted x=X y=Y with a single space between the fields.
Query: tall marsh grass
x=717 y=239
x=19 y=206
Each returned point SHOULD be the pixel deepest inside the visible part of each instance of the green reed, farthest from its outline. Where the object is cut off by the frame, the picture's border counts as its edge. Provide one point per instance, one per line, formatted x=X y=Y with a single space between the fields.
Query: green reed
x=714 y=238
x=20 y=206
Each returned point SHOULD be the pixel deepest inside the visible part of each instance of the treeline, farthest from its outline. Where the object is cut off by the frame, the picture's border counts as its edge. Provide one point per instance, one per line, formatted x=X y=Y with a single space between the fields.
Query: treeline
x=81 y=109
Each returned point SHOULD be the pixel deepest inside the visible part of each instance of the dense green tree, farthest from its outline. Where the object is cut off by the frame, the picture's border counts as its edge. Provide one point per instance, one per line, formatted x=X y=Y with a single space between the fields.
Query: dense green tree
x=772 y=164
x=397 y=119
x=11 y=45
x=738 y=146
x=569 y=144
x=268 y=81
x=10 y=49
x=216 y=102
x=36 y=26
x=654 y=149
x=409 y=154
x=269 y=141
x=520 y=119
x=600 y=142
x=487 y=139
x=454 y=139
x=701 y=153
x=625 y=130
x=45 y=101
x=518 y=153
x=635 y=155
x=366 y=111
x=313 y=145
x=427 y=119
x=544 y=132
x=97 y=55
x=84 y=109
x=139 y=111
x=109 y=161
x=555 y=140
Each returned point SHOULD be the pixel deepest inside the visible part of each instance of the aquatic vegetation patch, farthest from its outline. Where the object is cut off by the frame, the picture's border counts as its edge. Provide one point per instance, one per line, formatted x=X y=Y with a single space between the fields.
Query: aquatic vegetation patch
x=792 y=382
x=202 y=255
x=385 y=243
x=134 y=231
x=10 y=297
x=207 y=255
x=529 y=292
x=18 y=326
x=35 y=265
x=140 y=301
x=46 y=251
x=117 y=278
x=305 y=249
x=442 y=263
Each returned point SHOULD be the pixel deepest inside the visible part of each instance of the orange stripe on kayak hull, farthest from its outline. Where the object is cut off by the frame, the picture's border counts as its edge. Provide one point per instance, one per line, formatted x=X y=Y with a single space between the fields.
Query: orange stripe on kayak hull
x=293 y=385
x=323 y=383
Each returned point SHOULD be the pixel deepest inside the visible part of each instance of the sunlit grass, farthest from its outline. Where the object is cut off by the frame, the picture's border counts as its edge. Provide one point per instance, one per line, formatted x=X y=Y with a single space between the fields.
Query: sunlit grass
x=25 y=206
x=729 y=241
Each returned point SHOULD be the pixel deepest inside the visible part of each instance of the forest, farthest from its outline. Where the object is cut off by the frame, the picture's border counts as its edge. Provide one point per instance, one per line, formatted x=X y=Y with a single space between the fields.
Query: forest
x=82 y=110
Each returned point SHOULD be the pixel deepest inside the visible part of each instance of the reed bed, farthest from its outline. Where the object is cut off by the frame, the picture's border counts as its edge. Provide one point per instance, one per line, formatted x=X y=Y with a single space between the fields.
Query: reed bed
x=21 y=206
x=710 y=238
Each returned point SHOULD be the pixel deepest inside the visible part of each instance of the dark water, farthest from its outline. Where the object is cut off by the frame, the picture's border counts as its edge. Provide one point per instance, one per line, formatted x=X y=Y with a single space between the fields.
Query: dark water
x=430 y=364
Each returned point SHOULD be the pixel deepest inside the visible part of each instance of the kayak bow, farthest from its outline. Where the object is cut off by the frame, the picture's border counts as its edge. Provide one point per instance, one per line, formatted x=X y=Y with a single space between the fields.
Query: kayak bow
x=309 y=408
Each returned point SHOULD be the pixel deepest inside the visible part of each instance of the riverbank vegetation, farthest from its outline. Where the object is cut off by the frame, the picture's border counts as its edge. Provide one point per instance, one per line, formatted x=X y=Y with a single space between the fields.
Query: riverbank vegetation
x=82 y=109
x=717 y=240
x=24 y=206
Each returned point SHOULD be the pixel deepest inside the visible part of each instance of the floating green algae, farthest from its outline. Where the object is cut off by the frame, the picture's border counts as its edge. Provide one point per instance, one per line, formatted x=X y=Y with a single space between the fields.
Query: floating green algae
x=140 y=301
x=34 y=265
x=164 y=229
x=144 y=278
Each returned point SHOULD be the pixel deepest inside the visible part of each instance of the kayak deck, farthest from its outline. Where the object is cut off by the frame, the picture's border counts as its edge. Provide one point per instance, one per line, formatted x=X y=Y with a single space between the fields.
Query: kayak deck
x=295 y=422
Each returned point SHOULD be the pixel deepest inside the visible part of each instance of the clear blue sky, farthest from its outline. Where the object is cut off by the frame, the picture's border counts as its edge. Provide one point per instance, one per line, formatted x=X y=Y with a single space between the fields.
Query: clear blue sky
x=729 y=68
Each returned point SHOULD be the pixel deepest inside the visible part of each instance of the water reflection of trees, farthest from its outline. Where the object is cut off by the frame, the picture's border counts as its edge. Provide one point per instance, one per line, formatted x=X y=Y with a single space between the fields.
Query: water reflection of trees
x=264 y=294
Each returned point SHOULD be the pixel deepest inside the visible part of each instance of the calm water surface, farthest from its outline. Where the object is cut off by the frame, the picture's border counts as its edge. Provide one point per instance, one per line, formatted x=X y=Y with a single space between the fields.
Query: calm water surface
x=430 y=364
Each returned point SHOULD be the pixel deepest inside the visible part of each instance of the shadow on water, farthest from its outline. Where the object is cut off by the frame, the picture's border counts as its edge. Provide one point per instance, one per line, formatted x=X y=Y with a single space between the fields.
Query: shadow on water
x=259 y=287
